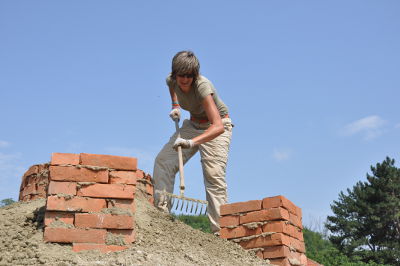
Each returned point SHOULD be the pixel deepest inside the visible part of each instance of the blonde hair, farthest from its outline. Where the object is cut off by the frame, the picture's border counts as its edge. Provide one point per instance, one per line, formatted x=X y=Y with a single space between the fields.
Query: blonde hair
x=185 y=62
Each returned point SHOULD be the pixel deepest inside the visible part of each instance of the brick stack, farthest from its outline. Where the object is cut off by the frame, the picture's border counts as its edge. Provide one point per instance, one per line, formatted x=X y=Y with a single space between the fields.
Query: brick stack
x=272 y=227
x=34 y=183
x=145 y=184
x=90 y=201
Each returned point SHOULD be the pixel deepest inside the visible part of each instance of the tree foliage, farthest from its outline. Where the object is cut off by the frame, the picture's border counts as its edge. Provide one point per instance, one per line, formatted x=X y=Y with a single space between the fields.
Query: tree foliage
x=366 y=220
x=6 y=202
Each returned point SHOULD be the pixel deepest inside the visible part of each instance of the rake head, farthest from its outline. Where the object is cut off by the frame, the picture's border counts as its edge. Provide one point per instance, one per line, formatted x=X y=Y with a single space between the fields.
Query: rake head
x=184 y=204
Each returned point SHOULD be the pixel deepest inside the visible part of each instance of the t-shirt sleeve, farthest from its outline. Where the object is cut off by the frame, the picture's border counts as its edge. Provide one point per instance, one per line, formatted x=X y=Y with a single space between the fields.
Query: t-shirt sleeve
x=168 y=80
x=205 y=89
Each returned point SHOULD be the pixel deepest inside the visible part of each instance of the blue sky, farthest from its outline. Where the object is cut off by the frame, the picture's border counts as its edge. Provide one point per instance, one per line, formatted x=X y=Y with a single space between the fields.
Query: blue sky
x=312 y=87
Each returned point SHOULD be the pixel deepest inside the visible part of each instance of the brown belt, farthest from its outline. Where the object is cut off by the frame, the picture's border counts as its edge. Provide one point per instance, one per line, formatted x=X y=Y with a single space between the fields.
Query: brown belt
x=205 y=120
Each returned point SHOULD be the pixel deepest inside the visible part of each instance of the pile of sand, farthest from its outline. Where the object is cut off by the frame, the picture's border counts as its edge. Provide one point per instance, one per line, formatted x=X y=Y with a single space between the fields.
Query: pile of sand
x=160 y=240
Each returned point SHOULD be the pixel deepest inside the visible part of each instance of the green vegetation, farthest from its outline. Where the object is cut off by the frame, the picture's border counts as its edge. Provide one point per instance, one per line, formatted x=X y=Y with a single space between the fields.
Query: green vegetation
x=366 y=221
x=6 y=202
x=199 y=222
x=320 y=249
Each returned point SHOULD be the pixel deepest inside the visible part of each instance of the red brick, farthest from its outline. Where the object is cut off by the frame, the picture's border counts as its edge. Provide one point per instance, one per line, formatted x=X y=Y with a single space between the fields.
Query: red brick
x=75 y=204
x=229 y=220
x=68 y=188
x=140 y=173
x=295 y=221
x=123 y=204
x=99 y=220
x=64 y=158
x=280 y=262
x=71 y=173
x=238 y=207
x=279 y=201
x=65 y=217
x=117 y=191
x=74 y=235
x=29 y=189
x=240 y=231
x=110 y=161
x=78 y=247
x=276 y=239
x=283 y=227
x=265 y=215
x=129 y=235
x=34 y=169
x=123 y=177
x=280 y=252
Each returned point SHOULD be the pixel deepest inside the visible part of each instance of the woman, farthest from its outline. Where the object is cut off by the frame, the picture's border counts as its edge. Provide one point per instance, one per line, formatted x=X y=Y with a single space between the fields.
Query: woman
x=209 y=131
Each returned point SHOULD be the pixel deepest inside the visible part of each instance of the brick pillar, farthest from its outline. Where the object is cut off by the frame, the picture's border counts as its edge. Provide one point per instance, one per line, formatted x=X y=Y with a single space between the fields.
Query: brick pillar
x=34 y=183
x=271 y=227
x=90 y=201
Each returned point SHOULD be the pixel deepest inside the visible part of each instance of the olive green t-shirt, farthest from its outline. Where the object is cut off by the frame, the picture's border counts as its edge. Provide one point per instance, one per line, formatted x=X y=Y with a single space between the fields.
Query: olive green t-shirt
x=192 y=101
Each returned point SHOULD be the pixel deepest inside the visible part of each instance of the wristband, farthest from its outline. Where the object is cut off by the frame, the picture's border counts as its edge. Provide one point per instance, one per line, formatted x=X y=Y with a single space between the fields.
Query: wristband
x=175 y=105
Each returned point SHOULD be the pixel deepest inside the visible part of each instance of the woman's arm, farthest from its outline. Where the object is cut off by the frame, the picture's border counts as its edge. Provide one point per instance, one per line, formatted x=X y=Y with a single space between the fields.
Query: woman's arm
x=216 y=128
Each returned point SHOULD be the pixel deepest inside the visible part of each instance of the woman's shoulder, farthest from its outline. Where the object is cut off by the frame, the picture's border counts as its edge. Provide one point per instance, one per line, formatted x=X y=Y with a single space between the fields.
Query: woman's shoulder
x=201 y=80
x=169 y=80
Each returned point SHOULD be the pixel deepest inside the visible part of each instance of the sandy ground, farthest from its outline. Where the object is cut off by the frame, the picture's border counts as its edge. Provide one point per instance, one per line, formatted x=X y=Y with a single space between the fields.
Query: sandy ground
x=160 y=240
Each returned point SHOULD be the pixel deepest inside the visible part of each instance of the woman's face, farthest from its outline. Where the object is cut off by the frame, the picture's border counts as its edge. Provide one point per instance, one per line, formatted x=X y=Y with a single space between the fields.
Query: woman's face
x=185 y=82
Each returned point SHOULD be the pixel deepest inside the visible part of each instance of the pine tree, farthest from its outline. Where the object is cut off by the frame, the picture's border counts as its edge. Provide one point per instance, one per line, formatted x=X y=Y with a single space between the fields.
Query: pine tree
x=366 y=220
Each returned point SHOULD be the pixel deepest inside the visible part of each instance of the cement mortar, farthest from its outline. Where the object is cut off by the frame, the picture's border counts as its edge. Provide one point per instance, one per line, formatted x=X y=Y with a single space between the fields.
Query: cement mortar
x=160 y=240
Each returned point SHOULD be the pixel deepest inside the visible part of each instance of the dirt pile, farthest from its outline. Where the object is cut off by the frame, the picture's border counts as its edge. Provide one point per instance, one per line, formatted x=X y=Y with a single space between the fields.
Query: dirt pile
x=160 y=240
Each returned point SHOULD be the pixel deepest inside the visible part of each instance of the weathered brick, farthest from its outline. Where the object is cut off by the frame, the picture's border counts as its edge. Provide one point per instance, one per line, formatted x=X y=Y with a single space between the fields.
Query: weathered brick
x=74 y=174
x=99 y=220
x=280 y=252
x=283 y=227
x=128 y=235
x=110 y=161
x=65 y=217
x=239 y=207
x=75 y=204
x=279 y=201
x=77 y=247
x=128 y=204
x=240 y=231
x=117 y=191
x=74 y=235
x=29 y=189
x=265 y=215
x=280 y=262
x=68 y=188
x=34 y=169
x=295 y=221
x=229 y=220
x=123 y=177
x=276 y=239
x=140 y=173
x=41 y=189
x=64 y=158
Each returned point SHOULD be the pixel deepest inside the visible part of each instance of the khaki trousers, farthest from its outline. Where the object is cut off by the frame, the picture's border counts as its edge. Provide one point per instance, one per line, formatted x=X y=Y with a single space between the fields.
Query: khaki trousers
x=214 y=157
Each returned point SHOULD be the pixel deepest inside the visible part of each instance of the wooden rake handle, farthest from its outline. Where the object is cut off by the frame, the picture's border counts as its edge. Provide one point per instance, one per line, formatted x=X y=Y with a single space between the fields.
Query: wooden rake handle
x=181 y=173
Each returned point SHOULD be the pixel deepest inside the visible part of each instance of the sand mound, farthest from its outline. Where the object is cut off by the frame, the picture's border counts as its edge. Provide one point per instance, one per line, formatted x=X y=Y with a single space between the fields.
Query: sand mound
x=160 y=240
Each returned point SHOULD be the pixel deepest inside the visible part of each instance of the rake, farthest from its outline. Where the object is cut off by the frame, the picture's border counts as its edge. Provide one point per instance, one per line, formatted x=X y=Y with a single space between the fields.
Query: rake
x=180 y=202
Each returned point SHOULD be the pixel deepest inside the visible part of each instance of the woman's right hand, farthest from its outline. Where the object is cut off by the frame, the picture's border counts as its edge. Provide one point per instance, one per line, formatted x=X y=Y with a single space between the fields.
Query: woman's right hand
x=175 y=114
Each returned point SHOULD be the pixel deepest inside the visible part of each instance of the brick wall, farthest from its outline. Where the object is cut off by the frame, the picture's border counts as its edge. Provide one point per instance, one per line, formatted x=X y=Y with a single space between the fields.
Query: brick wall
x=272 y=227
x=34 y=183
x=89 y=199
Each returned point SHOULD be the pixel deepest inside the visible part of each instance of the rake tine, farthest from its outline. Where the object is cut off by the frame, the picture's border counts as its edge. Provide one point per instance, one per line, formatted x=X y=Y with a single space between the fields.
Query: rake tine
x=172 y=203
x=191 y=210
x=187 y=206
x=197 y=205
x=177 y=204
x=183 y=203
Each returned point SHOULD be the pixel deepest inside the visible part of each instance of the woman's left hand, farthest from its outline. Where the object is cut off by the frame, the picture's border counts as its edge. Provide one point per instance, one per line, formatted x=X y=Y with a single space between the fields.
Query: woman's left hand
x=184 y=143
